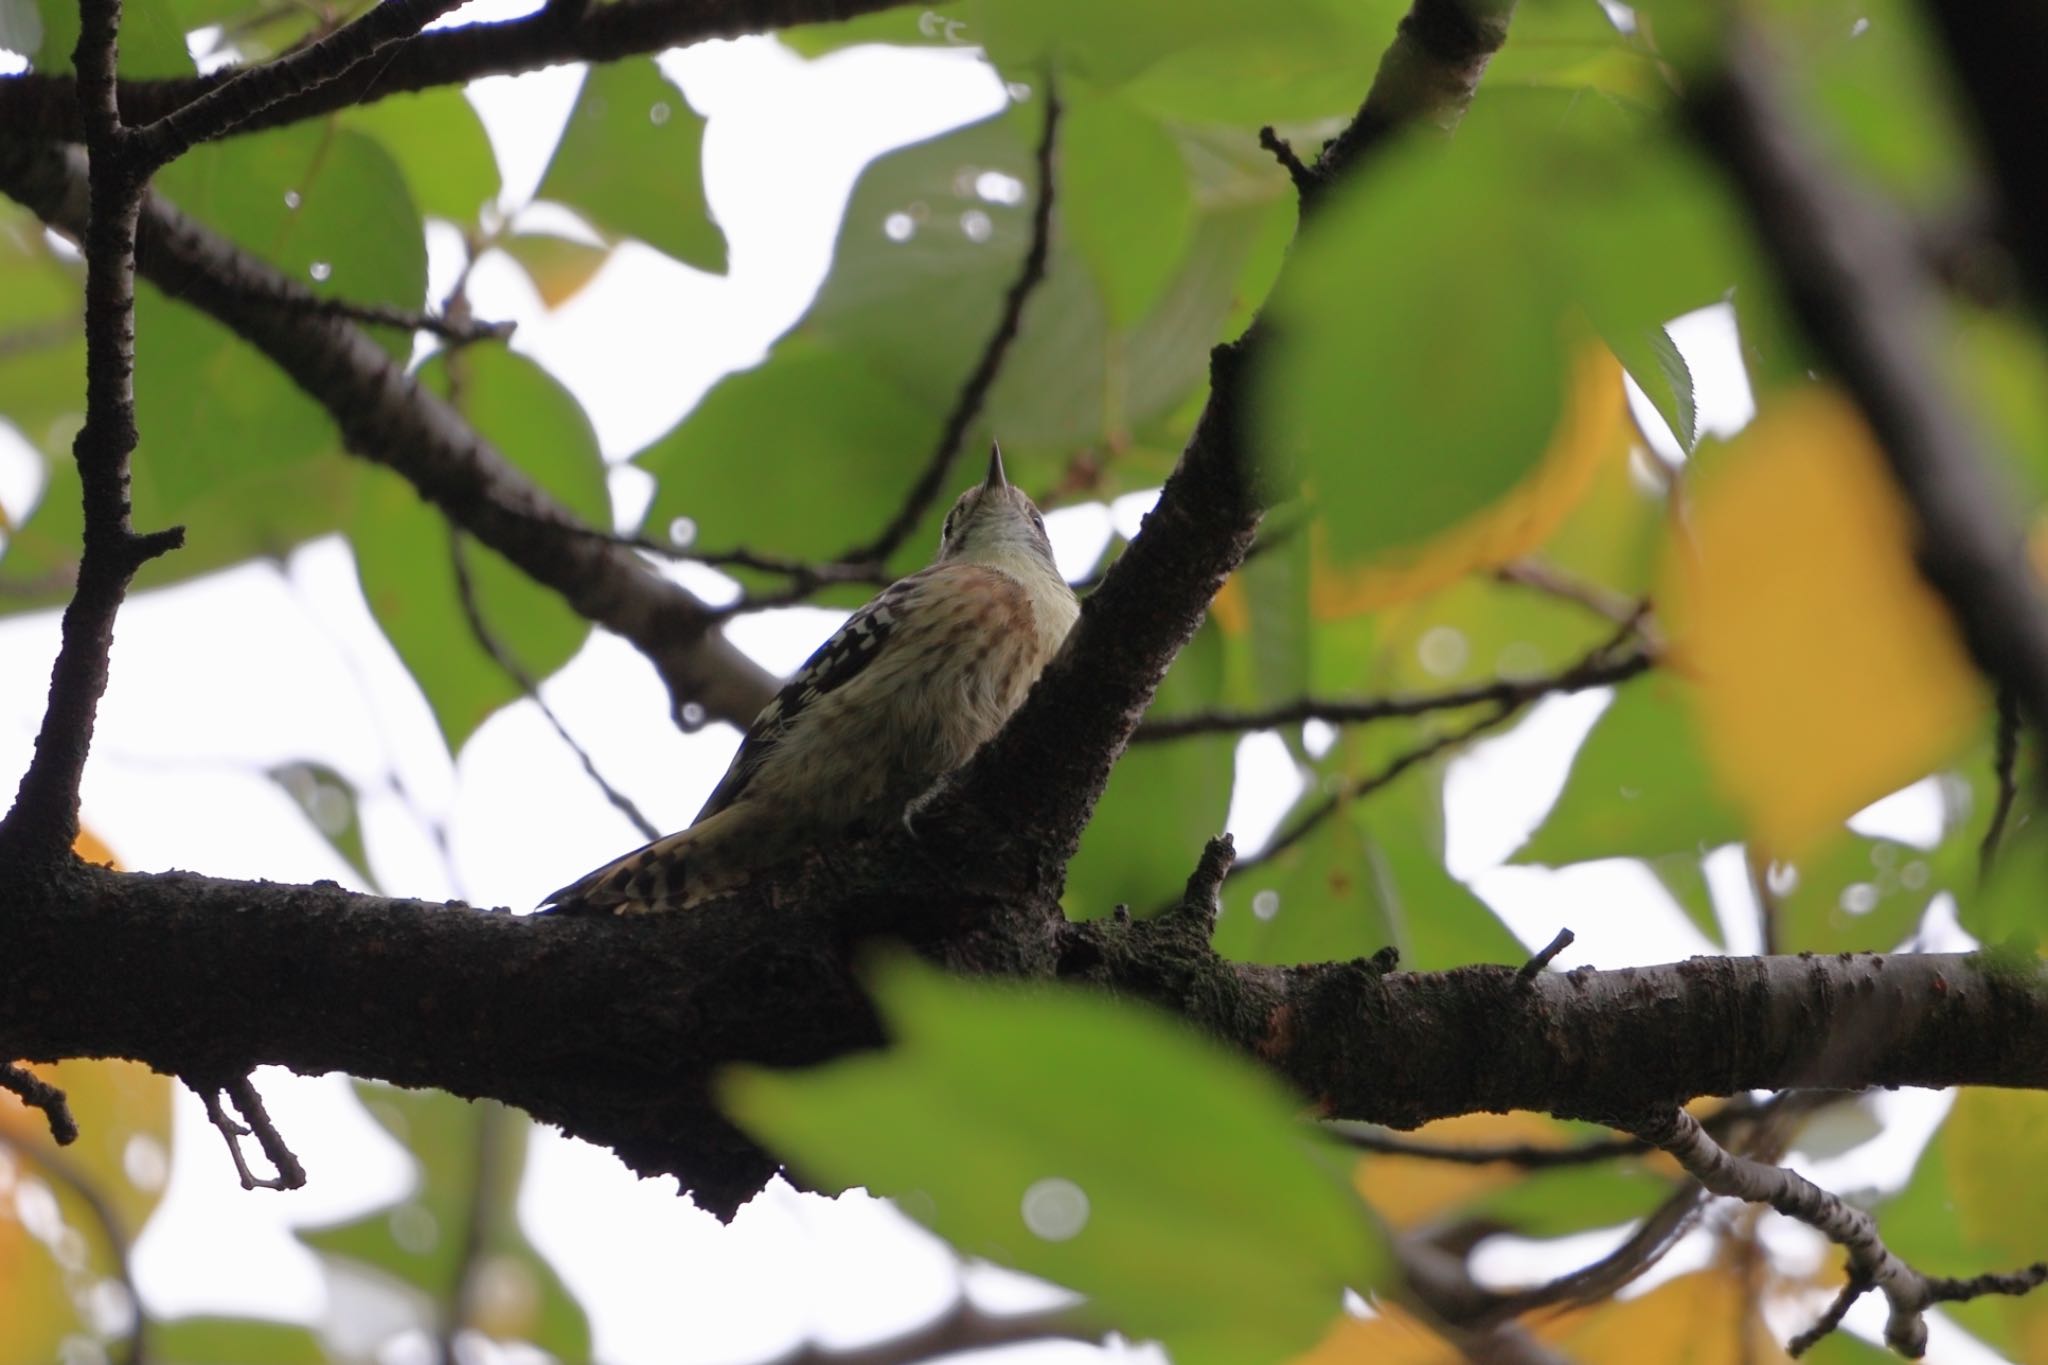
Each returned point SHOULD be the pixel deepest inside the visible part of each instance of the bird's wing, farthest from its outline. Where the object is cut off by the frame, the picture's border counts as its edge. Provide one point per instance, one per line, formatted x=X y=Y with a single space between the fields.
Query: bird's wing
x=837 y=662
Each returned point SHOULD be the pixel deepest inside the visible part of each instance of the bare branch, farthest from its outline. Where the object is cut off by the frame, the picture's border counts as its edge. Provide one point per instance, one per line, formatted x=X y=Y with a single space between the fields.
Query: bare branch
x=1541 y=576
x=40 y=829
x=252 y=89
x=1527 y=1155
x=963 y=1327
x=2004 y=764
x=488 y=641
x=37 y=105
x=1907 y=1292
x=1596 y=670
x=1347 y=792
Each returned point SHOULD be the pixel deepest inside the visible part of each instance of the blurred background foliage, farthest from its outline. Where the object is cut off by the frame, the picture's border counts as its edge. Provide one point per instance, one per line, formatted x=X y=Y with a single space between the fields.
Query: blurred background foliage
x=1464 y=495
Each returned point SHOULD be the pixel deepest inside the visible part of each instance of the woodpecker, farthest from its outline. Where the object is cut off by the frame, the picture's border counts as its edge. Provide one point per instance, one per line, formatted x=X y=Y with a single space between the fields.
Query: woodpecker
x=908 y=688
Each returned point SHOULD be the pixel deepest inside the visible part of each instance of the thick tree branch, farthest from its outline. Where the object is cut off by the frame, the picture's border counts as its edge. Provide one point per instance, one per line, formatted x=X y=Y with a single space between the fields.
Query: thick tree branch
x=44 y=105
x=613 y=1028
x=1852 y=276
x=386 y=417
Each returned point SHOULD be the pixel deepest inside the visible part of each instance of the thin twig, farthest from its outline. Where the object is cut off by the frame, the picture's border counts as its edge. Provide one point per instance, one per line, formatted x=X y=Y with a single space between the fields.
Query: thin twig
x=1542 y=576
x=1908 y=1294
x=290 y=1174
x=2004 y=765
x=963 y=1327
x=37 y=1093
x=1529 y=1156
x=1306 y=824
x=487 y=640
x=253 y=89
x=459 y=332
x=1531 y=969
x=39 y=830
x=974 y=392
x=1852 y=1289
x=1593 y=671
x=1283 y=152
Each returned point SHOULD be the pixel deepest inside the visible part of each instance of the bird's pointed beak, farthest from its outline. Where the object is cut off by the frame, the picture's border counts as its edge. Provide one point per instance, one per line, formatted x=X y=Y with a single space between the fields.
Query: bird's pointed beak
x=995 y=468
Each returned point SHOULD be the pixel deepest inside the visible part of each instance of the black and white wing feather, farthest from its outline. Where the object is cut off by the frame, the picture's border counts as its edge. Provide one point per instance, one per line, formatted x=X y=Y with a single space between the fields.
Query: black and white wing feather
x=837 y=662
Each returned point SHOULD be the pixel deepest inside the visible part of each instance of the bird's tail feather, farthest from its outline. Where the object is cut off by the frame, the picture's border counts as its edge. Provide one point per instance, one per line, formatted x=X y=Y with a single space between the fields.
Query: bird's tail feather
x=664 y=875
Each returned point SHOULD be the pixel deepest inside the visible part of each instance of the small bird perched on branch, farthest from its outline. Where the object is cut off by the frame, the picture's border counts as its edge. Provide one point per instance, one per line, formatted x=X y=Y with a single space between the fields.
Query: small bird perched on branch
x=908 y=688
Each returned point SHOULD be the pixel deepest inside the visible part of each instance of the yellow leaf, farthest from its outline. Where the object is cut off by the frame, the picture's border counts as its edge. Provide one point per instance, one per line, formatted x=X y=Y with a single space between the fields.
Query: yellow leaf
x=558 y=266
x=1407 y=1190
x=90 y=847
x=1704 y=1318
x=1828 y=672
x=1592 y=431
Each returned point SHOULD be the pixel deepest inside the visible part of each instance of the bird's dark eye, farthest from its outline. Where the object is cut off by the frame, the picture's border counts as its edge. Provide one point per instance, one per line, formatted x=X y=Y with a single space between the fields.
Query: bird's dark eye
x=1037 y=520
x=946 y=531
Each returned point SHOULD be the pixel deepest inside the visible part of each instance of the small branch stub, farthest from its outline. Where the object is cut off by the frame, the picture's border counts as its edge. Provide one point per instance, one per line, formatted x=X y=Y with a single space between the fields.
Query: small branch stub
x=255 y=1121
x=38 y=1093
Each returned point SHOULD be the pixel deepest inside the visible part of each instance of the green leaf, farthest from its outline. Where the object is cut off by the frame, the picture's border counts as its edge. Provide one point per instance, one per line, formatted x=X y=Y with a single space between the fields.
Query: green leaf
x=1163 y=800
x=558 y=266
x=1573 y=1200
x=1296 y=65
x=1683 y=875
x=1653 y=359
x=1268 y=652
x=152 y=39
x=1093 y=1143
x=1371 y=876
x=439 y=142
x=931 y=243
x=837 y=442
x=631 y=161
x=1420 y=326
x=471 y=1159
x=234 y=1341
x=1639 y=787
x=1124 y=196
x=934 y=26
x=1573 y=45
x=1351 y=396
x=327 y=206
x=230 y=448
x=1856 y=894
x=331 y=804
x=405 y=559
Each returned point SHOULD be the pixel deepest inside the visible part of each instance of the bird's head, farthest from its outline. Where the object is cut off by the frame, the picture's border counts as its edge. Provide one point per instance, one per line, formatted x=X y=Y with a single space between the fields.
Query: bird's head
x=996 y=524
